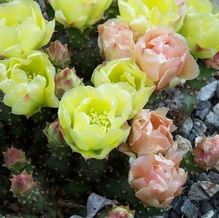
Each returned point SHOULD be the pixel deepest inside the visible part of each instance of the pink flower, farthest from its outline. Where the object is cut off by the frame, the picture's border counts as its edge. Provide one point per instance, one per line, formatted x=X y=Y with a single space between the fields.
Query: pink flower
x=207 y=152
x=164 y=56
x=151 y=132
x=22 y=184
x=157 y=180
x=116 y=40
x=14 y=157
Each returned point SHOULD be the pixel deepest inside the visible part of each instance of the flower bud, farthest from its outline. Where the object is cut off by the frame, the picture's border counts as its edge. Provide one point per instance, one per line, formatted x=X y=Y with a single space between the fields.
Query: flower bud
x=207 y=152
x=58 y=54
x=52 y=131
x=14 y=158
x=120 y=212
x=116 y=40
x=65 y=80
x=22 y=184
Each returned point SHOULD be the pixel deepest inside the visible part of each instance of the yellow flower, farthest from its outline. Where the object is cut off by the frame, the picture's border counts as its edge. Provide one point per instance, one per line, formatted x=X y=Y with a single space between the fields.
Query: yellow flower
x=28 y=84
x=129 y=77
x=22 y=28
x=142 y=14
x=93 y=120
x=201 y=28
x=79 y=13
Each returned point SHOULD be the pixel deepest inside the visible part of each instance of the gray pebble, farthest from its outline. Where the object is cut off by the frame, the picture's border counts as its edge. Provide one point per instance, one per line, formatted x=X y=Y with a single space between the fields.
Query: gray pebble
x=197 y=193
x=189 y=209
x=214 y=177
x=208 y=91
x=216 y=109
x=186 y=127
x=212 y=119
x=202 y=109
x=210 y=214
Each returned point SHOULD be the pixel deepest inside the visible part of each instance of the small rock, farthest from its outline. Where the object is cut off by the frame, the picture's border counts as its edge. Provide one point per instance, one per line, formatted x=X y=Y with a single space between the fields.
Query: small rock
x=216 y=109
x=205 y=207
x=196 y=193
x=199 y=126
x=189 y=209
x=210 y=188
x=177 y=203
x=207 y=92
x=203 y=177
x=212 y=119
x=186 y=127
x=214 y=177
x=202 y=109
x=210 y=214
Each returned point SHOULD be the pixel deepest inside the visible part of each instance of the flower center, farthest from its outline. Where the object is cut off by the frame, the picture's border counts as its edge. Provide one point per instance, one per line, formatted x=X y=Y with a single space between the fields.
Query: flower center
x=100 y=119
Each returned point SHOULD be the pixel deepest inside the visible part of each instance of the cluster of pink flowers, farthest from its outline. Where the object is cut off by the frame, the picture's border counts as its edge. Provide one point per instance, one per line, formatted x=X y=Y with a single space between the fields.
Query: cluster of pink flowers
x=161 y=53
x=154 y=170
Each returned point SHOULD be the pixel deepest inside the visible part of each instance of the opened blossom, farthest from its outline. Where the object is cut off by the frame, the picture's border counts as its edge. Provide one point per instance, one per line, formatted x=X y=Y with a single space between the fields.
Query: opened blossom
x=156 y=180
x=150 y=133
x=200 y=27
x=28 y=83
x=164 y=56
x=143 y=14
x=126 y=74
x=116 y=39
x=93 y=120
x=79 y=13
x=206 y=152
x=23 y=28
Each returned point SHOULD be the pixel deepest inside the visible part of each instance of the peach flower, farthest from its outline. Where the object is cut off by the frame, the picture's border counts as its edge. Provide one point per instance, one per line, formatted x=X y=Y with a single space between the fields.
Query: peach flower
x=164 y=56
x=116 y=40
x=207 y=152
x=156 y=179
x=150 y=132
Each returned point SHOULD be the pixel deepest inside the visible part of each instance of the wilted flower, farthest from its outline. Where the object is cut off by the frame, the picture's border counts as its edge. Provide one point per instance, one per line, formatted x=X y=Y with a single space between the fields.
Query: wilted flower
x=116 y=40
x=164 y=56
x=200 y=28
x=78 y=13
x=150 y=133
x=22 y=184
x=213 y=62
x=65 y=80
x=142 y=14
x=129 y=77
x=157 y=180
x=120 y=212
x=93 y=120
x=53 y=133
x=14 y=157
x=58 y=54
x=23 y=28
x=206 y=152
x=28 y=84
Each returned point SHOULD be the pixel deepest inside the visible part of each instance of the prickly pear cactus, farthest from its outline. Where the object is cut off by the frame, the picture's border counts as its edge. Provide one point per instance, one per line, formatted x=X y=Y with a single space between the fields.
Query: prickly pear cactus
x=109 y=109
